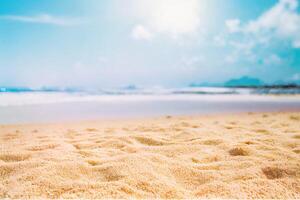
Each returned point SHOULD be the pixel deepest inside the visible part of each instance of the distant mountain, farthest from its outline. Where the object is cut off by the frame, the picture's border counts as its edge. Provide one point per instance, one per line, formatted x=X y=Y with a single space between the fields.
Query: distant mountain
x=244 y=81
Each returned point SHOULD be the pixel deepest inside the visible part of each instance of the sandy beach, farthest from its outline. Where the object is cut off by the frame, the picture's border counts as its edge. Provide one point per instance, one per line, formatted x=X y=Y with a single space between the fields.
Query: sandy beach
x=250 y=155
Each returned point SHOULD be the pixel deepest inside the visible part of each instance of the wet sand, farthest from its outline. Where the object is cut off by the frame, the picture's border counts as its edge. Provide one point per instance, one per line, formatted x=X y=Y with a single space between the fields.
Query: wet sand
x=250 y=155
x=36 y=108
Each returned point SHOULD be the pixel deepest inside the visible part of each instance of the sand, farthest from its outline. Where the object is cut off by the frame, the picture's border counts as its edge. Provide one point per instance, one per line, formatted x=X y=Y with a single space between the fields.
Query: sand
x=225 y=156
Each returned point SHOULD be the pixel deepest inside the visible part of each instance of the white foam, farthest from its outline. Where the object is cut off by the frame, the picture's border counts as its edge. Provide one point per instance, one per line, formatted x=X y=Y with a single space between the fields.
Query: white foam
x=36 y=98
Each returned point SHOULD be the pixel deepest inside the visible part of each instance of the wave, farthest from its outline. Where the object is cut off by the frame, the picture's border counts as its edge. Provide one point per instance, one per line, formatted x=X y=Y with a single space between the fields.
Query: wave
x=156 y=90
x=29 y=96
x=40 y=98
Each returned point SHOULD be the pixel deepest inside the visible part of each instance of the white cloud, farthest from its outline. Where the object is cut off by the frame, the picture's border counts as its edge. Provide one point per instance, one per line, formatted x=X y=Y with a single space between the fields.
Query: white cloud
x=241 y=51
x=220 y=40
x=233 y=25
x=258 y=38
x=170 y=17
x=282 y=18
x=41 y=19
x=139 y=32
x=281 y=21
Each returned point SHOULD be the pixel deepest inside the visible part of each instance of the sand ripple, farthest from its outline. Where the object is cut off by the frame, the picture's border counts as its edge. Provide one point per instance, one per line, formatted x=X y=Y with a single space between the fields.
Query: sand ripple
x=236 y=156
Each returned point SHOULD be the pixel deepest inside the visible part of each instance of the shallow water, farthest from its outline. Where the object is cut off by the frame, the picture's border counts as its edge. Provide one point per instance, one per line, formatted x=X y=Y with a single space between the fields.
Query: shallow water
x=55 y=107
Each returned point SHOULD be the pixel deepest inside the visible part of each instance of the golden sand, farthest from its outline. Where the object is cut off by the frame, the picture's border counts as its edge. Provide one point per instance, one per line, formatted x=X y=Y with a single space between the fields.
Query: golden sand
x=232 y=156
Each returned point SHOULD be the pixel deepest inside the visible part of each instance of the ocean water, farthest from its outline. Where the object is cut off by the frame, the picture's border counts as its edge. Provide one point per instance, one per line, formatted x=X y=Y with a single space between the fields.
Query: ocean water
x=57 y=106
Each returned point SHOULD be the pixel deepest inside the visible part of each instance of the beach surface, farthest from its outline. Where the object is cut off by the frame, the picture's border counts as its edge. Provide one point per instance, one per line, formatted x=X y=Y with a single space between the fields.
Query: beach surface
x=249 y=155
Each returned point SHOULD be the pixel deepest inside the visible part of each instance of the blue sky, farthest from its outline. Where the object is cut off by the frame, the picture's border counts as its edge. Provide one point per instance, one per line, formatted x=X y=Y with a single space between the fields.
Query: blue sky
x=112 y=43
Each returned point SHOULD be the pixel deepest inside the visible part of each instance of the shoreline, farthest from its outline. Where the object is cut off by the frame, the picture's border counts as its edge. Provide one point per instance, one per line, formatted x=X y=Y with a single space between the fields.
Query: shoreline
x=134 y=119
x=133 y=107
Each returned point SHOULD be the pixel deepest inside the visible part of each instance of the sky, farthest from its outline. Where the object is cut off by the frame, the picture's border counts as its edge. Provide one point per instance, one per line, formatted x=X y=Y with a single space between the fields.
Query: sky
x=171 y=43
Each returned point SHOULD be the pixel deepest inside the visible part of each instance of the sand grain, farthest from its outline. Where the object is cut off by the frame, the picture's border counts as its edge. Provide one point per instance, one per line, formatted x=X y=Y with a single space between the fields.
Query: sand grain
x=234 y=156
